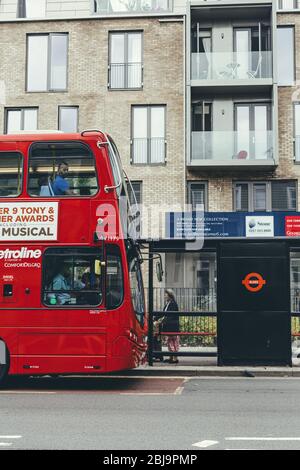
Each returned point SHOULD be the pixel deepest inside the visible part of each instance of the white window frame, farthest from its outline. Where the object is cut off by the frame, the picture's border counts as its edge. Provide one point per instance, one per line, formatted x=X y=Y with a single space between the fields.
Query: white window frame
x=22 y=110
x=126 y=63
x=149 y=137
x=62 y=107
x=268 y=185
x=48 y=88
x=189 y=188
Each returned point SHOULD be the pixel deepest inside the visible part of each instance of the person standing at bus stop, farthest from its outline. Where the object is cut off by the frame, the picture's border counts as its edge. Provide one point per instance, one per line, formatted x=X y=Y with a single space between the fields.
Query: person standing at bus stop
x=171 y=325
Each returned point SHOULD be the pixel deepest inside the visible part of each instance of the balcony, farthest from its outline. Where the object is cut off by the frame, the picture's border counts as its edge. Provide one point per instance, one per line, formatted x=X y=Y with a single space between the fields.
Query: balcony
x=232 y=149
x=124 y=76
x=221 y=67
x=129 y=7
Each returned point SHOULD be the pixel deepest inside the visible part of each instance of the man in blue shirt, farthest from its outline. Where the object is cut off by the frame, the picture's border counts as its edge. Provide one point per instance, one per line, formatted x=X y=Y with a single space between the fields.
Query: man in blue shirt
x=60 y=186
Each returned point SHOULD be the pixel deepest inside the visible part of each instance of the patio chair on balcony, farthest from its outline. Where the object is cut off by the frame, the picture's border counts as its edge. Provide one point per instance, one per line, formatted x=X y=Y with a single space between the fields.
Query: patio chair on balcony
x=254 y=73
x=241 y=155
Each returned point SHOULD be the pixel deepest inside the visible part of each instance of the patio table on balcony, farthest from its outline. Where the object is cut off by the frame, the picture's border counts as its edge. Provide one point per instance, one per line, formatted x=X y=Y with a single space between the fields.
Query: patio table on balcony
x=232 y=70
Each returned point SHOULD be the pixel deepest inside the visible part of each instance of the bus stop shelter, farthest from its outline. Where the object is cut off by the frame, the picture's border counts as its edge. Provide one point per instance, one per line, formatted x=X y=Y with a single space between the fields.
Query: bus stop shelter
x=254 y=298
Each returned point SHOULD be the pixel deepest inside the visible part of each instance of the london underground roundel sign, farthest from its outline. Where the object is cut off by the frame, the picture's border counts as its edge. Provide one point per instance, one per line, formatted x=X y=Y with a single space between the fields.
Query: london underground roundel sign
x=253 y=282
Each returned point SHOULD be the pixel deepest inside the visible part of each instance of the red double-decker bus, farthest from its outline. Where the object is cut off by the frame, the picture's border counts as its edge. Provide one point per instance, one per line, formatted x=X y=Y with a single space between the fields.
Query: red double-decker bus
x=71 y=289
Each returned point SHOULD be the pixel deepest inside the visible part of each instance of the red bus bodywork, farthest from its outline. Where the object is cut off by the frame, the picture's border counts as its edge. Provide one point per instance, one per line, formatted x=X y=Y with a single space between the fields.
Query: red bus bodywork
x=41 y=339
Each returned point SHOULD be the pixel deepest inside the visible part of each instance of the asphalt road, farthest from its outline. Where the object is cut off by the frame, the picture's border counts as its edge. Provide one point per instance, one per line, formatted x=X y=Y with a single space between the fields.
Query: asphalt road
x=151 y=413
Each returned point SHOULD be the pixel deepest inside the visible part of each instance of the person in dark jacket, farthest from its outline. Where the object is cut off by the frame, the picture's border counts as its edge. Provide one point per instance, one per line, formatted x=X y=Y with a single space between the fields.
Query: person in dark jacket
x=171 y=324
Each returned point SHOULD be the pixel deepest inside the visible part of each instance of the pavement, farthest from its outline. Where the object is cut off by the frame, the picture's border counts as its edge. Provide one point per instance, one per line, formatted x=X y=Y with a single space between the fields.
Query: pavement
x=207 y=367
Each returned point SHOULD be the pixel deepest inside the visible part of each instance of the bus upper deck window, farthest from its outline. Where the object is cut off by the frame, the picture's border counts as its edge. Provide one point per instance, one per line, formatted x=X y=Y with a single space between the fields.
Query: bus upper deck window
x=10 y=174
x=59 y=169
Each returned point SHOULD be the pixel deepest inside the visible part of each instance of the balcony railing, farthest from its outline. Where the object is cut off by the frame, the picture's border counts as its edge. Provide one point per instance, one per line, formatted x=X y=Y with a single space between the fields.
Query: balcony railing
x=127 y=75
x=112 y=7
x=231 y=66
x=232 y=146
x=148 y=151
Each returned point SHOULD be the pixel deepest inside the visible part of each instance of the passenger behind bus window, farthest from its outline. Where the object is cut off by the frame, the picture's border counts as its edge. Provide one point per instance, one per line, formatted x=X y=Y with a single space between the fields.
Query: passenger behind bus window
x=91 y=292
x=62 y=282
x=61 y=186
x=91 y=281
x=44 y=186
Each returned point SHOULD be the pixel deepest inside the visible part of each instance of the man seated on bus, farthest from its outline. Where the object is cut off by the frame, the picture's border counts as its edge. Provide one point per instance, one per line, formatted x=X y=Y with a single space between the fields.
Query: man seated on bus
x=61 y=186
x=61 y=282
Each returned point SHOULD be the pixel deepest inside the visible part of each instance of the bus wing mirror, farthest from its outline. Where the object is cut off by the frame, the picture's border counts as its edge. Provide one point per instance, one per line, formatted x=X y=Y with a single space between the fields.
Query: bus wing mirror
x=159 y=271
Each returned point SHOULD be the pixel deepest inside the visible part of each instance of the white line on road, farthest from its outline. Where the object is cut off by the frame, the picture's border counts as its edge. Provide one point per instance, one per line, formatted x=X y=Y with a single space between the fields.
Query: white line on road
x=5 y=444
x=10 y=437
x=204 y=444
x=24 y=392
x=262 y=438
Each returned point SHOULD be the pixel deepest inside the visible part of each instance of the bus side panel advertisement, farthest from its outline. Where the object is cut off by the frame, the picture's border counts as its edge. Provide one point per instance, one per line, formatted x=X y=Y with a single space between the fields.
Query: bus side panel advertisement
x=36 y=221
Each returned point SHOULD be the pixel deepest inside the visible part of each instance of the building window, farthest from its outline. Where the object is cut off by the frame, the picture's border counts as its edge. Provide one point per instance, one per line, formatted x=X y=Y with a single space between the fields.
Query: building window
x=68 y=118
x=297 y=132
x=47 y=62
x=125 y=60
x=197 y=194
x=288 y=4
x=31 y=8
x=265 y=196
x=20 y=119
x=284 y=196
x=286 y=56
x=135 y=192
x=148 y=135
x=134 y=189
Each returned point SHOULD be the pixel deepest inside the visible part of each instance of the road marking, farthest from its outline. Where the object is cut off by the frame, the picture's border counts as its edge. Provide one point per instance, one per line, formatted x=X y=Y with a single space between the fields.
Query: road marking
x=145 y=393
x=10 y=437
x=204 y=444
x=262 y=438
x=5 y=444
x=24 y=392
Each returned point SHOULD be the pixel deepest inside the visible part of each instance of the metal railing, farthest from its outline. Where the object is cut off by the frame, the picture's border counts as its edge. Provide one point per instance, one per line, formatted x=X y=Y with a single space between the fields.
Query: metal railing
x=288 y=5
x=148 y=150
x=231 y=65
x=187 y=298
x=232 y=146
x=126 y=75
x=197 y=329
x=197 y=334
x=107 y=7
